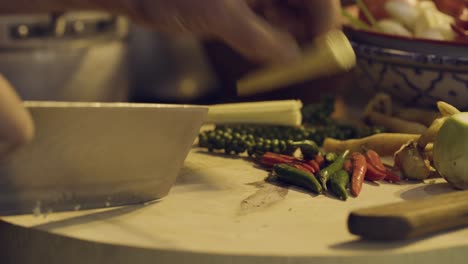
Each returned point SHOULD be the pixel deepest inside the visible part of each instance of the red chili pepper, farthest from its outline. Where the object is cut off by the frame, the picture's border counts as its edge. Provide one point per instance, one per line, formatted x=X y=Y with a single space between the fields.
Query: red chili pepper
x=271 y=159
x=288 y=157
x=374 y=158
x=359 y=172
x=303 y=167
x=348 y=166
x=320 y=160
x=314 y=165
x=373 y=174
x=392 y=177
x=308 y=167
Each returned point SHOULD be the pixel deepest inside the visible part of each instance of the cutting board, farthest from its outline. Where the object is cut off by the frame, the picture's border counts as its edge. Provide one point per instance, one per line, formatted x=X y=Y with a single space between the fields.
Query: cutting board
x=221 y=212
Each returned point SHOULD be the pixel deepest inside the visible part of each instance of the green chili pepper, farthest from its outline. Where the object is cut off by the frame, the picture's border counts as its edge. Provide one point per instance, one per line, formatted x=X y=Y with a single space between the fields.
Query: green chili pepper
x=294 y=176
x=331 y=169
x=309 y=148
x=330 y=157
x=338 y=183
x=203 y=140
x=282 y=146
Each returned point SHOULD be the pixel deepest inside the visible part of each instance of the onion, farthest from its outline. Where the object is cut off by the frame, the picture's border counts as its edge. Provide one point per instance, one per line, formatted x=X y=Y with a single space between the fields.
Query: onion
x=404 y=12
x=434 y=24
x=451 y=151
x=377 y=7
x=430 y=33
x=393 y=27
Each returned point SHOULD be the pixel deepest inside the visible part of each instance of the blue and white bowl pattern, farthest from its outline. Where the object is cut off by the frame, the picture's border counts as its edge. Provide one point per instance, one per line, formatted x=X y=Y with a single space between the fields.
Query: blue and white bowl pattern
x=413 y=79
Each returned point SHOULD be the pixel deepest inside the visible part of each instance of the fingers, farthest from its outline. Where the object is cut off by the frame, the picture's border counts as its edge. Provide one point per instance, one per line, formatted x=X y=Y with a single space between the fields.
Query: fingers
x=304 y=19
x=252 y=36
x=271 y=39
x=16 y=125
x=289 y=19
x=323 y=14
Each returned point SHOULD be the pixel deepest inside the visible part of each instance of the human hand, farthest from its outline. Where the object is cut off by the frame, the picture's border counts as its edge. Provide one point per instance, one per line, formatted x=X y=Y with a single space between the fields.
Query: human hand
x=16 y=125
x=265 y=31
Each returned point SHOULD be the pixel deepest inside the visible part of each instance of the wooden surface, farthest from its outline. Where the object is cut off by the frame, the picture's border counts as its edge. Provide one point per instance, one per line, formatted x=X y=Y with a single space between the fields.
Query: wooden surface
x=216 y=214
x=411 y=219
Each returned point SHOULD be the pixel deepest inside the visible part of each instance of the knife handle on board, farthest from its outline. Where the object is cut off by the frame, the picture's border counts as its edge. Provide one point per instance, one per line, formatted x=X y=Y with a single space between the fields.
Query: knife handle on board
x=411 y=219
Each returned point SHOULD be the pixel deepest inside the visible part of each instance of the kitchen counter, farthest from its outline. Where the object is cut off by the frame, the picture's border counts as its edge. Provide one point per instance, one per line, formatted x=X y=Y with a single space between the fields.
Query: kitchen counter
x=206 y=219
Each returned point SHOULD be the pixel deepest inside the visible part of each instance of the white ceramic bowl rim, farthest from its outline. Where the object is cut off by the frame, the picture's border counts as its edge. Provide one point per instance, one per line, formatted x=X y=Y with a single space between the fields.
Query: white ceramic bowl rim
x=121 y=105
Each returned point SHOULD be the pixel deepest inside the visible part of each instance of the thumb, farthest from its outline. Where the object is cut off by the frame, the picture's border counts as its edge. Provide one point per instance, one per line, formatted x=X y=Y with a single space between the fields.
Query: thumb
x=16 y=124
x=254 y=38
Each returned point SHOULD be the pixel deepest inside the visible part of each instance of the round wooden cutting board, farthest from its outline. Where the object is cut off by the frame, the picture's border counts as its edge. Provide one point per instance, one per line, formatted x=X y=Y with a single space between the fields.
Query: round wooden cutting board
x=221 y=212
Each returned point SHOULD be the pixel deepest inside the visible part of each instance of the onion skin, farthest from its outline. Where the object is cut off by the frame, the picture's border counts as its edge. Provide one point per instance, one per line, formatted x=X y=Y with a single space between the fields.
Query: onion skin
x=412 y=163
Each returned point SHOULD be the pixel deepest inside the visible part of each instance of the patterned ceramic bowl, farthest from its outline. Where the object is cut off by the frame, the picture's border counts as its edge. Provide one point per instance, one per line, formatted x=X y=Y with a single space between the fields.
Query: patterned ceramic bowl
x=413 y=78
x=416 y=73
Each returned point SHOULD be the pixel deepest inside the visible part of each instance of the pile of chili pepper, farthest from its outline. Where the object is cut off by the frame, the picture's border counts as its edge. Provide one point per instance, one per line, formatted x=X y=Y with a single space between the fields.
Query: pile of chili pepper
x=342 y=173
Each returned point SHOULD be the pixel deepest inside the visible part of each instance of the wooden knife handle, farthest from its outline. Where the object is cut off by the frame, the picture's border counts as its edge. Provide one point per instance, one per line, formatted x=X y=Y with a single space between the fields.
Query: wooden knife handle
x=411 y=219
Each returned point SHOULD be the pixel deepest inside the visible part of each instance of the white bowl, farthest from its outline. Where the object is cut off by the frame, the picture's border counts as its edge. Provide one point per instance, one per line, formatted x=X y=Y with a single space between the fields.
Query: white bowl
x=88 y=155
